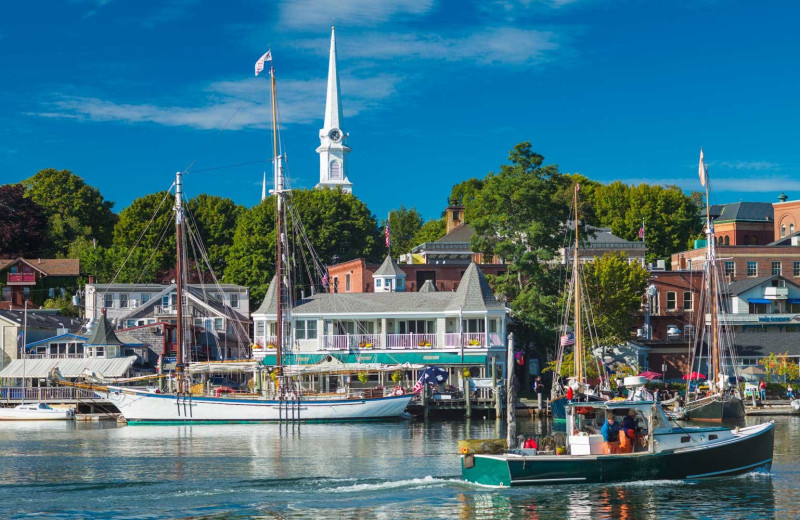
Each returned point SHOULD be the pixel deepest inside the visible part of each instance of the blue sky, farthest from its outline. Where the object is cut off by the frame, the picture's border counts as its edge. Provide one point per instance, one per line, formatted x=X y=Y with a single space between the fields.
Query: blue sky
x=126 y=93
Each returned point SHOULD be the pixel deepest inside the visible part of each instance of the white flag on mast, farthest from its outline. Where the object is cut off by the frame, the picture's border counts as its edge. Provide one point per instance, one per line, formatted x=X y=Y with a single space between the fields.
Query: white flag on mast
x=260 y=63
x=702 y=171
x=264 y=187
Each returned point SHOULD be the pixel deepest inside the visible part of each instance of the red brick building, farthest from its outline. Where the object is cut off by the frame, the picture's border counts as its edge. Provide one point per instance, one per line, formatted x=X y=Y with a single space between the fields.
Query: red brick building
x=743 y=223
x=787 y=216
x=738 y=262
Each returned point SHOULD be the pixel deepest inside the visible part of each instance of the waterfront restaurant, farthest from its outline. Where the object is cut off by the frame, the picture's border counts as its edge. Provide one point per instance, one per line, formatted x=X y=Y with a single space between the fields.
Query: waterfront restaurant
x=465 y=328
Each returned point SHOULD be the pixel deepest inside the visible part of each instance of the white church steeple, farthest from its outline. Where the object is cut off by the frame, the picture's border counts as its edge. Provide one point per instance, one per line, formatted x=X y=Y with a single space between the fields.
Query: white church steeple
x=333 y=147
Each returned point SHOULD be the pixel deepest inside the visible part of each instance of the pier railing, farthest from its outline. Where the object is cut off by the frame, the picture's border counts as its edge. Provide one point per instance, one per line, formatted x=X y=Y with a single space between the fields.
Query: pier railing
x=15 y=394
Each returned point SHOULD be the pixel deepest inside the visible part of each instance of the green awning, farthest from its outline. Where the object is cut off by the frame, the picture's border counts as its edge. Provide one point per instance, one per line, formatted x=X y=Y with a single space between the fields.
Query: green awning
x=385 y=358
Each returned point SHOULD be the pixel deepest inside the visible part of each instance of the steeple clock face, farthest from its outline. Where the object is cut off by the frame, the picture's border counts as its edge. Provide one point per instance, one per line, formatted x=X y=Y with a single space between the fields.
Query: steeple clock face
x=335 y=135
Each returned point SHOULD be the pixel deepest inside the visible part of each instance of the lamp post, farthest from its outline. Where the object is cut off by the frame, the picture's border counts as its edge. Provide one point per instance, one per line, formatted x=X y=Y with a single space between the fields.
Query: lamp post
x=664 y=372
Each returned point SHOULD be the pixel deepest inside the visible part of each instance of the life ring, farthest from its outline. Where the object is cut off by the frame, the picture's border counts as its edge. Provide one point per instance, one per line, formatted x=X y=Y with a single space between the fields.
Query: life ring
x=399 y=390
x=224 y=389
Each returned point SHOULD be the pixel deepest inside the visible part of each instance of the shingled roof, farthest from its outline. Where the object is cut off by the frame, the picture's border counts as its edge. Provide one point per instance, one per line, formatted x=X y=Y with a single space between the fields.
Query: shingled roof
x=474 y=293
x=745 y=284
x=428 y=286
x=389 y=268
x=48 y=266
x=270 y=303
x=739 y=211
x=103 y=333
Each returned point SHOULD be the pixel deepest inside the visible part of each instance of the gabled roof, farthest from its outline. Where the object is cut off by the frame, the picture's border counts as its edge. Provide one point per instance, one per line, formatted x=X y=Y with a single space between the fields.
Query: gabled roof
x=749 y=211
x=388 y=268
x=474 y=293
x=460 y=234
x=48 y=266
x=103 y=333
x=42 y=319
x=67 y=337
x=195 y=293
x=428 y=286
x=761 y=344
x=739 y=286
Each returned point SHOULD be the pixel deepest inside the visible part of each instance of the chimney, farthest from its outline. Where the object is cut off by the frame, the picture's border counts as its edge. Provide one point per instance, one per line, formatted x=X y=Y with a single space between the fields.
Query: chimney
x=454 y=216
x=91 y=279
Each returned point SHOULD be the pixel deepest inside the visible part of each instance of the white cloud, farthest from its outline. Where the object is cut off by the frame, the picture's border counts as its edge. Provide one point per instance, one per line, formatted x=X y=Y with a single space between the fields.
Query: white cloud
x=231 y=104
x=750 y=165
x=322 y=13
x=494 y=45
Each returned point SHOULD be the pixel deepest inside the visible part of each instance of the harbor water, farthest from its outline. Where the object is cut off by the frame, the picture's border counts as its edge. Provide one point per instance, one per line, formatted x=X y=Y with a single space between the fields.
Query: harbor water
x=369 y=470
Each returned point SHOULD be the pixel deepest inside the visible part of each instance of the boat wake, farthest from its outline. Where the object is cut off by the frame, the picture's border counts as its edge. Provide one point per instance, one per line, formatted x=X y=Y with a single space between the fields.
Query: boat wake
x=382 y=485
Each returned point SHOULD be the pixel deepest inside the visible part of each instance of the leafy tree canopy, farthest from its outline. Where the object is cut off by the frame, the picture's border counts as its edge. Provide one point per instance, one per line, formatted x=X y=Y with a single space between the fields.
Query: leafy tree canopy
x=22 y=224
x=404 y=224
x=431 y=231
x=671 y=218
x=615 y=287
x=215 y=219
x=145 y=236
x=73 y=208
x=339 y=226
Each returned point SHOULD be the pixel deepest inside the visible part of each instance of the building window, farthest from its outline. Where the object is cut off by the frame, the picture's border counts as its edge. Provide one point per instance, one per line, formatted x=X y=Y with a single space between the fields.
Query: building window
x=727 y=241
x=754 y=240
x=687 y=300
x=776 y=268
x=347 y=283
x=752 y=268
x=336 y=170
x=145 y=297
x=671 y=301
x=260 y=329
x=791 y=228
x=783 y=231
x=377 y=282
x=235 y=301
x=123 y=301
x=165 y=301
x=305 y=329
x=730 y=269
x=218 y=325
x=796 y=268
x=108 y=301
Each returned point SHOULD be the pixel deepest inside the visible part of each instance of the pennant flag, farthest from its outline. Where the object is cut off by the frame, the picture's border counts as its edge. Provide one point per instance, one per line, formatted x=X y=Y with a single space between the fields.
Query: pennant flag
x=260 y=63
x=264 y=187
x=702 y=169
x=567 y=339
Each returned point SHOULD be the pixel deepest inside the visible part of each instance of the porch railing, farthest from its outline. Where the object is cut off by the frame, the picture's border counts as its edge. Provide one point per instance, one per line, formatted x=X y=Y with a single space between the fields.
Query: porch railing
x=411 y=341
x=18 y=393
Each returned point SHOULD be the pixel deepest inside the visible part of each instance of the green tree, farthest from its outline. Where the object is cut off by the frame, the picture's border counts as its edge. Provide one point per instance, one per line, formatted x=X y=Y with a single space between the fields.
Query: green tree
x=339 y=227
x=214 y=218
x=464 y=193
x=73 y=208
x=22 y=223
x=63 y=304
x=431 y=231
x=251 y=259
x=144 y=238
x=520 y=216
x=404 y=223
x=671 y=218
x=615 y=287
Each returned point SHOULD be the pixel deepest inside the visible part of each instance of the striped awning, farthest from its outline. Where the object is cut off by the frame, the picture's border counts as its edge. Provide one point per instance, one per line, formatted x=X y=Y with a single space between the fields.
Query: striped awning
x=69 y=368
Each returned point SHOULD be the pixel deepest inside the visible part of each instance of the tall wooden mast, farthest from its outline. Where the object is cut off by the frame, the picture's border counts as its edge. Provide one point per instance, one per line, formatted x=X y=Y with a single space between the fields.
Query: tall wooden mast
x=578 y=352
x=278 y=183
x=711 y=291
x=179 y=280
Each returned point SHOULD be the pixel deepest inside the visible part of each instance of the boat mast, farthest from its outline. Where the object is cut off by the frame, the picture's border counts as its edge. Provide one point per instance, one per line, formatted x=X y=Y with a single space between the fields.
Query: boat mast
x=279 y=226
x=179 y=280
x=711 y=290
x=24 y=347
x=578 y=352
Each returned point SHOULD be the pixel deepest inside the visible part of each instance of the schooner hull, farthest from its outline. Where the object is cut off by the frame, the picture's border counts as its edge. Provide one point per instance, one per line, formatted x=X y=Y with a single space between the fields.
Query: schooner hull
x=716 y=409
x=141 y=407
x=750 y=451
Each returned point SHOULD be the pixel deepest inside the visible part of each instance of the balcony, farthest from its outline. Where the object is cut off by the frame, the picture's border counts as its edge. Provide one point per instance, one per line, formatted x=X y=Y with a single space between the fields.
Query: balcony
x=166 y=310
x=776 y=293
x=21 y=278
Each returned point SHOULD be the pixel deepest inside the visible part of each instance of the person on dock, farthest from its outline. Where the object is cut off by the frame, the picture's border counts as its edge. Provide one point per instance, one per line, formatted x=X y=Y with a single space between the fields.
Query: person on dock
x=790 y=392
x=762 y=388
x=610 y=432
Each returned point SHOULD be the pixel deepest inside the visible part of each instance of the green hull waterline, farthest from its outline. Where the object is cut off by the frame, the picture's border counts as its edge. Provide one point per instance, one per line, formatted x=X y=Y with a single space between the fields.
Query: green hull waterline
x=730 y=458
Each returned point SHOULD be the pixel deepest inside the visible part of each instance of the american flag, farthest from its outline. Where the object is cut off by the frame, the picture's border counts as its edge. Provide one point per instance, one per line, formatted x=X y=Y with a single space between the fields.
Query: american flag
x=418 y=386
x=325 y=280
x=260 y=63
x=567 y=339
x=387 y=232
